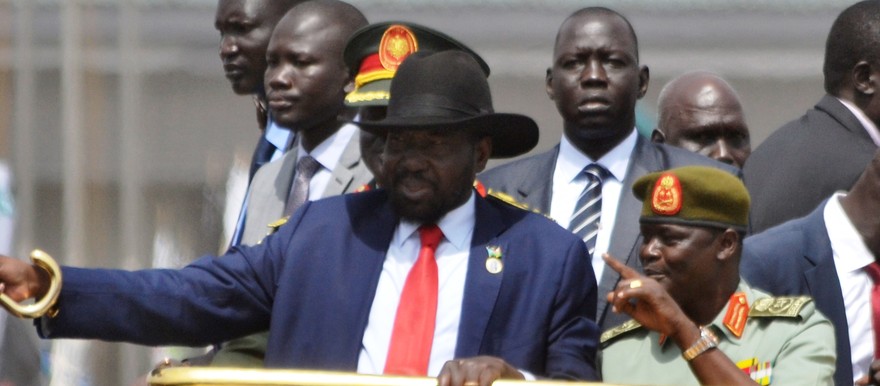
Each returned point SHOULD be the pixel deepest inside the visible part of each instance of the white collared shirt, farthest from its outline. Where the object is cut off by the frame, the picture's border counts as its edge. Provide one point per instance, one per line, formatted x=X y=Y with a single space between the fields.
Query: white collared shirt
x=866 y=122
x=452 y=257
x=851 y=256
x=328 y=154
x=569 y=182
x=279 y=137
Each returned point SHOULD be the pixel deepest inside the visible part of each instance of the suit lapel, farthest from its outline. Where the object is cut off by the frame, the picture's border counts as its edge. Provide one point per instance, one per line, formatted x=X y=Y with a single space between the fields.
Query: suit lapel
x=481 y=287
x=841 y=114
x=537 y=191
x=376 y=231
x=343 y=174
x=625 y=236
x=823 y=283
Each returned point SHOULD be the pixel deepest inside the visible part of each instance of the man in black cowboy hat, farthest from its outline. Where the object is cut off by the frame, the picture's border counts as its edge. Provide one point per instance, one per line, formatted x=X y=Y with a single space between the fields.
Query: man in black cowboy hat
x=495 y=292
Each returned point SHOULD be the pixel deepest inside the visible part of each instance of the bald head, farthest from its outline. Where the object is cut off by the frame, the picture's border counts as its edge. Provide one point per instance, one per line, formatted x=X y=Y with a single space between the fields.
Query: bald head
x=701 y=112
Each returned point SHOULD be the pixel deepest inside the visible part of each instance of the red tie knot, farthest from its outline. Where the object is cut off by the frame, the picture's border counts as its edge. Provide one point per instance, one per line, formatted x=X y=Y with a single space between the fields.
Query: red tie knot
x=430 y=236
x=873 y=271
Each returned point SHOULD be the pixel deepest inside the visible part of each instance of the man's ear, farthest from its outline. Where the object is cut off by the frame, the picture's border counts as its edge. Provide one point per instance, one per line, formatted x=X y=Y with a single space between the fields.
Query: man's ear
x=482 y=151
x=548 y=79
x=863 y=78
x=657 y=136
x=729 y=241
x=644 y=78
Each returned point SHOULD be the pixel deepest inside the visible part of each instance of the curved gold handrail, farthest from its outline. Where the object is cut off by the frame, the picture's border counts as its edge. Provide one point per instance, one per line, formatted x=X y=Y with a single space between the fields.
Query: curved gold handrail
x=216 y=376
x=43 y=306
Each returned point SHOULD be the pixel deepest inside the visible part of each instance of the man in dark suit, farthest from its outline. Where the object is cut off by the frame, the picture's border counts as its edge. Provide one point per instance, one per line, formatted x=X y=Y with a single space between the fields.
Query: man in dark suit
x=516 y=295
x=808 y=159
x=825 y=255
x=595 y=81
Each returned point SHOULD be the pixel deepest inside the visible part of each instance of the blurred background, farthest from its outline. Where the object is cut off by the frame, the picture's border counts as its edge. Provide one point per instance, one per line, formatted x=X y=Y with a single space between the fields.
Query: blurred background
x=124 y=140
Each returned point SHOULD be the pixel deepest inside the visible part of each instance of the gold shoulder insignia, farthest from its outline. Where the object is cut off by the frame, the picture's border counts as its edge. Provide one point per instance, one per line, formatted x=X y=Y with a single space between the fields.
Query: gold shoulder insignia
x=274 y=225
x=504 y=197
x=509 y=200
x=779 y=307
x=630 y=325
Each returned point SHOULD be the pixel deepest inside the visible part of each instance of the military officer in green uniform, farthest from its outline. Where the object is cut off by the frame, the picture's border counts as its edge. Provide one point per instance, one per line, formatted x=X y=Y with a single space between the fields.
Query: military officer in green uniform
x=694 y=321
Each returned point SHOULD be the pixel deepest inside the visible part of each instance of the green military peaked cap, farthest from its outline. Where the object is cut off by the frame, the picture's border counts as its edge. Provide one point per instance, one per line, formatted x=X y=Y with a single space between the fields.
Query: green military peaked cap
x=694 y=195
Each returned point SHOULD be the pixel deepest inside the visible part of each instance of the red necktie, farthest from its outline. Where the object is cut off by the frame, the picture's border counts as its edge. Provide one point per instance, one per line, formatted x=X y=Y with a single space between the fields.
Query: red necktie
x=873 y=270
x=413 y=333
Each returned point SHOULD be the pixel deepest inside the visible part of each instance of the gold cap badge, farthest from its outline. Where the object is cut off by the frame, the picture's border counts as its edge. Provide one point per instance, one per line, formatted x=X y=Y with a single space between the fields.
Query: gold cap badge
x=397 y=43
x=666 y=199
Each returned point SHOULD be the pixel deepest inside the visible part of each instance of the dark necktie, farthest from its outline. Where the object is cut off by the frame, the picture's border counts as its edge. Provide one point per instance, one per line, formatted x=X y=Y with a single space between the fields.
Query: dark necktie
x=262 y=155
x=588 y=210
x=306 y=167
x=873 y=271
x=413 y=334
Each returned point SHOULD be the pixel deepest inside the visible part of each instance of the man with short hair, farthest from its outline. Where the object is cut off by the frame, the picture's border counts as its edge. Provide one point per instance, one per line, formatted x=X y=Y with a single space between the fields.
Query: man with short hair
x=422 y=278
x=808 y=159
x=306 y=83
x=245 y=27
x=694 y=320
x=595 y=81
x=700 y=112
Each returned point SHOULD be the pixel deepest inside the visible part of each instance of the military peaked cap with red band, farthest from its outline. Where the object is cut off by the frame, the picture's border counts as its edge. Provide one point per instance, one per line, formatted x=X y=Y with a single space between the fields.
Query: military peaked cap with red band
x=374 y=52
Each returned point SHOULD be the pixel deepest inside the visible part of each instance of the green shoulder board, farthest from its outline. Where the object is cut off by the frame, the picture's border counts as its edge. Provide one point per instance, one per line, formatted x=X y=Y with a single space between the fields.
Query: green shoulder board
x=779 y=307
x=630 y=325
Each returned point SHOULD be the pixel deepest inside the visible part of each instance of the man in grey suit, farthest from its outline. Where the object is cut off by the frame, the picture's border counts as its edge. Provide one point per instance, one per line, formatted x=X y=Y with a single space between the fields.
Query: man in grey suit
x=308 y=96
x=826 y=149
x=595 y=81
x=306 y=82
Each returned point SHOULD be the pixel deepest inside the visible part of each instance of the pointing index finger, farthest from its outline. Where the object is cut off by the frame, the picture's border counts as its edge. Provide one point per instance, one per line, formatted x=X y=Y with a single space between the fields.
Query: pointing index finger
x=624 y=271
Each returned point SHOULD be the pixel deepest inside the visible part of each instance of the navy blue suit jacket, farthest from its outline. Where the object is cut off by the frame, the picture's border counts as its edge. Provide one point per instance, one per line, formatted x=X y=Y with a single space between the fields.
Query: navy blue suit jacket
x=795 y=258
x=312 y=284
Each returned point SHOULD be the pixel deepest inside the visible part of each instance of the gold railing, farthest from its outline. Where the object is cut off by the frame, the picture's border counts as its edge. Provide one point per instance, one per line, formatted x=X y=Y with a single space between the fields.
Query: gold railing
x=213 y=376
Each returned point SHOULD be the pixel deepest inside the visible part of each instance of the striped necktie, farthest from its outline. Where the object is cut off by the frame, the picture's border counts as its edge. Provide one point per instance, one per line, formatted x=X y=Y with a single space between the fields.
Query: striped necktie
x=585 y=219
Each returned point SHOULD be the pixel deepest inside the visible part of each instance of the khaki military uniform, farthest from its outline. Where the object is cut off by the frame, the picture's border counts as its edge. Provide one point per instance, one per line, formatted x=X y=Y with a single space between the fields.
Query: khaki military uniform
x=785 y=341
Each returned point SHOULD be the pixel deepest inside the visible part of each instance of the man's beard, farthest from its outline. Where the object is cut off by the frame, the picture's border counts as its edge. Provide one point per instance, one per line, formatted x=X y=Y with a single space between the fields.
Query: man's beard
x=428 y=211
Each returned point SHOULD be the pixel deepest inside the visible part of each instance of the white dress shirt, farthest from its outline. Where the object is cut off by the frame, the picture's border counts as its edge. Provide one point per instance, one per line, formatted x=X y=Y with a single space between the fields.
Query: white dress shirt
x=569 y=182
x=851 y=256
x=327 y=153
x=452 y=256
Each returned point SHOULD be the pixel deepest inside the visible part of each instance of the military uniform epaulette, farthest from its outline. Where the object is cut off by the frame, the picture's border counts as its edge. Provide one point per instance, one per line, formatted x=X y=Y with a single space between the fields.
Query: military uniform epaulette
x=509 y=200
x=629 y=325
x=779 y=307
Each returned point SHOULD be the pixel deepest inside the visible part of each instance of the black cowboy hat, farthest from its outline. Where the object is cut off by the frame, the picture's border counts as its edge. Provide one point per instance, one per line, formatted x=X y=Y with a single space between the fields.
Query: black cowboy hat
x=449 y=90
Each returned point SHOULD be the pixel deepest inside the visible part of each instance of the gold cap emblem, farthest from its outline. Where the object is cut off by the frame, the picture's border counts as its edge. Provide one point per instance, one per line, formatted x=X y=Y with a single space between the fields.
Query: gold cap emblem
x=666 y=199
x=397 y=43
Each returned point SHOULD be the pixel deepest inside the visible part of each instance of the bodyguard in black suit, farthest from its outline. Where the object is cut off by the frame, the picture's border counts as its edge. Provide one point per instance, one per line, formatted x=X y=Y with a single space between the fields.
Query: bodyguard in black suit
x=825 y=150
x=595 y=81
